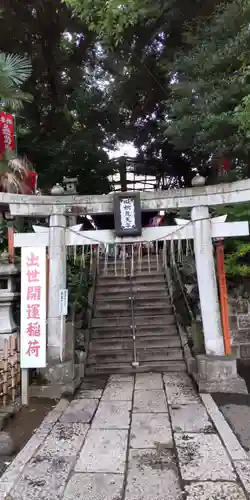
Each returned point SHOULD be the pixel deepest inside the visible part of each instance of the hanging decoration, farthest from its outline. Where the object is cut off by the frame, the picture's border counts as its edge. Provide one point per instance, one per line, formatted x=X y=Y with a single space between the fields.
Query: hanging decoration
x=132 y=260
x=226 y=165
x=157 y=254
x=7 y=134
x=179 y=250
x=148 y=251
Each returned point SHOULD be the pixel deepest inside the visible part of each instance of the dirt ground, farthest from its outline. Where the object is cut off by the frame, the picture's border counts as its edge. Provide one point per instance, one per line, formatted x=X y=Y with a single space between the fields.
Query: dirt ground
x=236 y=408
x=24 y=423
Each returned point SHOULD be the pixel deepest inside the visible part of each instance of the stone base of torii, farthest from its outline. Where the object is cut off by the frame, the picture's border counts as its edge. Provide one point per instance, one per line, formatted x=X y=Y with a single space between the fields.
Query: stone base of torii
x=216 y=372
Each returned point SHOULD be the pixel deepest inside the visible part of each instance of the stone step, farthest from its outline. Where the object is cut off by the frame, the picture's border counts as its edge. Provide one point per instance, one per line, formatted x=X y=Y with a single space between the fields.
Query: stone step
x=106 y=302
x=108 y=293
x=104 y=345
x=154 y=366
x=142 y=331
x=119 y=262
x=117 y=302
x=111 y=309
x=142 y=355
x=139 y=279
x=149 y=320
x=145 y=269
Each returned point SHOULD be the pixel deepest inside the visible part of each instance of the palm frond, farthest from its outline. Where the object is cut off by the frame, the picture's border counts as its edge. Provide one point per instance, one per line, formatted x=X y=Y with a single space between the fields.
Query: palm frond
x=14 y=69
x=13 y=98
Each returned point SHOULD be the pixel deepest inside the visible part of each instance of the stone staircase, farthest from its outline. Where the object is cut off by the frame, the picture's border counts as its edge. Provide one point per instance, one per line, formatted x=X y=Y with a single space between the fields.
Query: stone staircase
x=158 y=344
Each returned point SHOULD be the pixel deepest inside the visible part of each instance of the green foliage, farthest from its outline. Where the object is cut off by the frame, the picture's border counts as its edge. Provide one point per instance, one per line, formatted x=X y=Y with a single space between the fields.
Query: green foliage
x=234 y=265
x=14 y=71
x=65 y=129
x=79 y=281
x=237 y=250
x=3 y=236
x=209 y=104
x=111 y=18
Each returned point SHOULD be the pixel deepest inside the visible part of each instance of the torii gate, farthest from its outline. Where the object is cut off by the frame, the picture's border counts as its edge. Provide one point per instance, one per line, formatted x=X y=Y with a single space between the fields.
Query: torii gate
x=201 y=228
x=216 y=228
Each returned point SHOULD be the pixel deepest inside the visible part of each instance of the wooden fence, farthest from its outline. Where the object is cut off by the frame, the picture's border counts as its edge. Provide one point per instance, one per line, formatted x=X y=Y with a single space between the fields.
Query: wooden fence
x=9 y=371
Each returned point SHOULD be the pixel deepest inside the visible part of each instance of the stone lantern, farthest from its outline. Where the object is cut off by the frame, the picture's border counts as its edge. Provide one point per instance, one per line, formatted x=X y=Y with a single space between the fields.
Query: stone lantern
x=8 y=297
x=57 y=190
x=70 y=184
x=198 y=181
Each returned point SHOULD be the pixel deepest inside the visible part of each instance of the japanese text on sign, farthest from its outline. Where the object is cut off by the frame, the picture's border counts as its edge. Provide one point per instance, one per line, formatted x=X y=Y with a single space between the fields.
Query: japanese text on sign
x=7 y=133
x=127 y=211
x=33 y=308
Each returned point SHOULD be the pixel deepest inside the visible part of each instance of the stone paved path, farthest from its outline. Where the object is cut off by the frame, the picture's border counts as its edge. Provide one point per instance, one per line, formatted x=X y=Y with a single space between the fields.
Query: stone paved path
x=147 y=437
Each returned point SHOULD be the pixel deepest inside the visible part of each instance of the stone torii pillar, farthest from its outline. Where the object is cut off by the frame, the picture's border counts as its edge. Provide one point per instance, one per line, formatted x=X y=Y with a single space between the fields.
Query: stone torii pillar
x=207 y=283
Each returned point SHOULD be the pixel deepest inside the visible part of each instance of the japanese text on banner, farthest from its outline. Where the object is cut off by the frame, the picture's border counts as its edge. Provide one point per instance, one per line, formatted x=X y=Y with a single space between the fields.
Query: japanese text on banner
x=33 y=308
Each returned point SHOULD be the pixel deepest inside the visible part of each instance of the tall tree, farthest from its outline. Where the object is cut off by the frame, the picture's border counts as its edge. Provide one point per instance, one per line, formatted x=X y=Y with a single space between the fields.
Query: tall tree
x=208 y=108
x=65 y=129
x=142 y=41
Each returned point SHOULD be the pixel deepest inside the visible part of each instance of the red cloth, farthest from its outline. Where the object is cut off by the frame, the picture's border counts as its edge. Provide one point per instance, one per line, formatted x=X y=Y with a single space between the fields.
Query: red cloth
x=31 y=180
x=226 y=165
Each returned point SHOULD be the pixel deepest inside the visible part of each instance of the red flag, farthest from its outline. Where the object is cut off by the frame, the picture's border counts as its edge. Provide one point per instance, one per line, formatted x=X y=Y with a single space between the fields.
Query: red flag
x=226 y=166
x=7 y=133
x=31 y=180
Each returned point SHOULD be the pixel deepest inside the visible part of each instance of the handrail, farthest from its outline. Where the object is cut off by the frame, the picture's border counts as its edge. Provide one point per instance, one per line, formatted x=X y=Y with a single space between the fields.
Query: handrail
x=172 y=273
x=135 y=362
x=178 y=277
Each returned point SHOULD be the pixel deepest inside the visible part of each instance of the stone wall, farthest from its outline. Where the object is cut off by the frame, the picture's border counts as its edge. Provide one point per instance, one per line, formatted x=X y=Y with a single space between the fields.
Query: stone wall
x=239 y=318
x=239 y=307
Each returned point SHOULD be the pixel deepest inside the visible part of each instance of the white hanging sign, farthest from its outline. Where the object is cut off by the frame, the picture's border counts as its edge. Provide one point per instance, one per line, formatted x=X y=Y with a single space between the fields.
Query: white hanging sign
x=33 y=307
x=127 y=211
x=63 y=302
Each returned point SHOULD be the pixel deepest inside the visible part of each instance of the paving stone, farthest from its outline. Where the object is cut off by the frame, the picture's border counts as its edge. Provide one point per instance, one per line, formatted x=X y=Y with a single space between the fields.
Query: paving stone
x=148 y=381
x=151 y=430
x=121 y=378
x=65 y=440
x=94 y=487
x=57 y=411
x=202 y=457
x=90 y=394
x=5 y=488
x=118 y=391
x=243 y=470
x=112 y=415
x=104 y=450
x=80 y=410
x=190 y=418
x=214 y=491
x=181 y=394
x=25 y=455
x=152 y=475
x=176 y=378
x=94 y=383
x=43 y=479
x=150 y=402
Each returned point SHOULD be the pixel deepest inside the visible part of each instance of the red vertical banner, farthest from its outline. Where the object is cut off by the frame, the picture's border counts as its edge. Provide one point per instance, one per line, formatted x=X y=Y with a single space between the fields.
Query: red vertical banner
x=7 y=133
